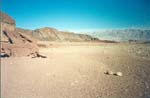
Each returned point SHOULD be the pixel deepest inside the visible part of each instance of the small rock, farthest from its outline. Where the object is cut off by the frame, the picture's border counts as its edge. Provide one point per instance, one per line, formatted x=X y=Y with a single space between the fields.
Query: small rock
x=109 y=72
x=118 y=74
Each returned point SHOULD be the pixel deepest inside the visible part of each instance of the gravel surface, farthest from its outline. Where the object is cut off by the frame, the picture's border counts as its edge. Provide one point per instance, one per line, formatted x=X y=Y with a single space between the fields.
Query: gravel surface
x=79 y=72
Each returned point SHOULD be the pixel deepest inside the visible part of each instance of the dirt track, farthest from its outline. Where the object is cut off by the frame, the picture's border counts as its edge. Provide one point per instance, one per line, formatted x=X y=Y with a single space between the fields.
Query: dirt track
x=78 y=72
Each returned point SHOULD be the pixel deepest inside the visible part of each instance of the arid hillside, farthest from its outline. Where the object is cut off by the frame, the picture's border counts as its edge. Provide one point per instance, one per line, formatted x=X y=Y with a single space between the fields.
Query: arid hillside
x=52 y=34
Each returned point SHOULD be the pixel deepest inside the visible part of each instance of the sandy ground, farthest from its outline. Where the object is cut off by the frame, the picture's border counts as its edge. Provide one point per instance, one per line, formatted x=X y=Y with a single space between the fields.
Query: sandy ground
x=77 y=71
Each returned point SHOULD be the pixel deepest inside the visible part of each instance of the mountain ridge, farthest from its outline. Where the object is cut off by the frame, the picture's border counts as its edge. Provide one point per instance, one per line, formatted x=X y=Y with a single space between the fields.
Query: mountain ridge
x=123 y=34
x=52 y=34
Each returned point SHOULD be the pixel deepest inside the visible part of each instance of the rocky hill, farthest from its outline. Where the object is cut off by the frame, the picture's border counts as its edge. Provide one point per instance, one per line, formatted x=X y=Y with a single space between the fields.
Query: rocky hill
x=52 y=34
x=123 y=35
x=12 y=42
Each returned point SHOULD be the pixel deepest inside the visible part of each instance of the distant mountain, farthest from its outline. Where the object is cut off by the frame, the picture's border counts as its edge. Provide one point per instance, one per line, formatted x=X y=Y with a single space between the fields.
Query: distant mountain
x=123 y=35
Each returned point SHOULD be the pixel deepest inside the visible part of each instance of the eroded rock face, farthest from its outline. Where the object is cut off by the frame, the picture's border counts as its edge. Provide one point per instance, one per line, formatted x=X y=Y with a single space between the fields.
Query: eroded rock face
x=14 y=43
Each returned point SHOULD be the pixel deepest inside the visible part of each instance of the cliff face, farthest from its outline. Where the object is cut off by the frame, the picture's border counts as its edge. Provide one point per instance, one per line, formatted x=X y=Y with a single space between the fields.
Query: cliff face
x=14 y=43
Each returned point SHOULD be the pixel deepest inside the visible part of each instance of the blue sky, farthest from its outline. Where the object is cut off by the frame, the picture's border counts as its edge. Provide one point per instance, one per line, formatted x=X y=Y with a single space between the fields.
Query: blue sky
x=79 y=14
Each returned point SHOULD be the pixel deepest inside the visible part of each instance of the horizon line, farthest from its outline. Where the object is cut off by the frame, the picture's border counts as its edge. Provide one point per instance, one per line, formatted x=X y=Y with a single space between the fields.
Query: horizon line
x=89 y=30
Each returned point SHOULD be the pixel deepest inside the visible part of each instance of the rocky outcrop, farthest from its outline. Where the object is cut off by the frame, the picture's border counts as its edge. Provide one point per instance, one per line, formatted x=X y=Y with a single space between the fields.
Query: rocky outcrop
x=7 y=22
x=14 y=43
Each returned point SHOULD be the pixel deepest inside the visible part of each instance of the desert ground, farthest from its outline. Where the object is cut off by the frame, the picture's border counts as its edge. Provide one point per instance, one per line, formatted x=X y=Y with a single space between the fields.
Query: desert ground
x=76 y=70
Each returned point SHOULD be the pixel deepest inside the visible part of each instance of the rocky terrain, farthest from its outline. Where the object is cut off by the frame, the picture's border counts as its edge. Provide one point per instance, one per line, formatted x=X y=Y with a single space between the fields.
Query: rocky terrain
x=142 y=50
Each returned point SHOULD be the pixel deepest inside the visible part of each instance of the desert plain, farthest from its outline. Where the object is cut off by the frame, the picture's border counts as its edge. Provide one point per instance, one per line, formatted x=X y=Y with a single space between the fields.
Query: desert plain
x=77 y=70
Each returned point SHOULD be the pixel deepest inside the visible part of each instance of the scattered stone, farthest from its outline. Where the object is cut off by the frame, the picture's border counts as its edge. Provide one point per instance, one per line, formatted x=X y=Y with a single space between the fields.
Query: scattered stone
x=3 y=55
x=37 y=55
x=113 y=73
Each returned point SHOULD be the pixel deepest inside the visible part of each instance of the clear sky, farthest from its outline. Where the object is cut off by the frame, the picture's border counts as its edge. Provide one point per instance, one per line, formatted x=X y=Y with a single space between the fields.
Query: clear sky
x=79 y=14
